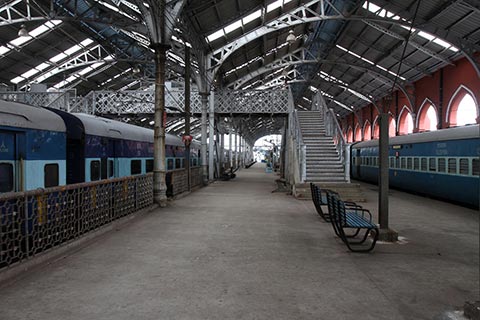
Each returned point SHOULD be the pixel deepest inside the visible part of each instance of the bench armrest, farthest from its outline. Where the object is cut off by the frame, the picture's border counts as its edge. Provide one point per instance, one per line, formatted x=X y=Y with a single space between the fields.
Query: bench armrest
x=363 y=213
x=351 y=204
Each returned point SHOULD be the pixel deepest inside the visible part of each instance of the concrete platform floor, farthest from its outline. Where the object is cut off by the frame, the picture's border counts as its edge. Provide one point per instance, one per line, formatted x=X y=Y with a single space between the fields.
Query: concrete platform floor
x=234 y=250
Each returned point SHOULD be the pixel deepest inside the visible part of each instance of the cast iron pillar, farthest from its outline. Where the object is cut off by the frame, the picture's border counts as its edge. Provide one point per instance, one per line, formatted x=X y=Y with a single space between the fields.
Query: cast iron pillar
x=211 y=138
x=159 y=185
x=187 y=138
x=230 y=162
x=386 y=234
x=204 y=98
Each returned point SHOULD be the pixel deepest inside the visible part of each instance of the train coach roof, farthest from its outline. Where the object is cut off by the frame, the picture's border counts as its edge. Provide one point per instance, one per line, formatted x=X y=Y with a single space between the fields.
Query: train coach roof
x=118 y=130
x=467 y=132
x=113 y=129
x=19 y=115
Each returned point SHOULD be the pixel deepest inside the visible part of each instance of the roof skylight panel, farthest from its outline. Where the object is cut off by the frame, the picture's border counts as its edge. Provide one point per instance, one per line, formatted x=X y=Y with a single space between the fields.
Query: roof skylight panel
x=18 y=42
x=277 y=4
x=242 y=21
x=251 y=17
x=44 y=65
x=82 y=72
x=118 y=10
x=387 y=14
x=370 y=62
x=342 y=105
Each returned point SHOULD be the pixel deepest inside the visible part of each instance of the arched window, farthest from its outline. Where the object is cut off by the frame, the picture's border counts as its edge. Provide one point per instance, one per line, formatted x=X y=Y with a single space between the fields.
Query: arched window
x=392 y=127
x=462 y=109
x=358 y=133
x=367 y=131
x=405 y=125
x=350 y=135
x=427 y=120
x=376 y=129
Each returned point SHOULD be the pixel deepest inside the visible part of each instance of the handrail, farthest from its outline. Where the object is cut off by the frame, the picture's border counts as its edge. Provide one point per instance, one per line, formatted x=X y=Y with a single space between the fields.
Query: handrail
x=333 y=129
x=300 y=150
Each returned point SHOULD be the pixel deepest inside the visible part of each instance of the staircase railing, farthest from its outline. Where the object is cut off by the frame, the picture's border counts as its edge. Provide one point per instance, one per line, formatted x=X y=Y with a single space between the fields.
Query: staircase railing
x=333 y=129
x=300 y=149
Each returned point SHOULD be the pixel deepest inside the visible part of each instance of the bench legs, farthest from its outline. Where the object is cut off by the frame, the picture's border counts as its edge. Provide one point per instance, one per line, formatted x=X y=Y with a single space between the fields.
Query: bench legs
x=354 y=245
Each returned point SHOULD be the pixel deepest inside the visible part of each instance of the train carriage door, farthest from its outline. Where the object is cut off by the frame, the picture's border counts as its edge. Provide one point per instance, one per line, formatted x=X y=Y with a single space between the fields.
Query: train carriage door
x=111 y=159
x=358 y=163
x=8 y=163
x=11 y=162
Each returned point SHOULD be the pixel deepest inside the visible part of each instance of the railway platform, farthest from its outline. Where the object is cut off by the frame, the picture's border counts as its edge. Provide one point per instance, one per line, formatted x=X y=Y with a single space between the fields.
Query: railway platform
x=237 y=250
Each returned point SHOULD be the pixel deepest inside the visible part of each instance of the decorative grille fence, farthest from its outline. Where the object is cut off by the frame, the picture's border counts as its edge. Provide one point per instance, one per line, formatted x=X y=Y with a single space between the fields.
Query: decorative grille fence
x=35 y=221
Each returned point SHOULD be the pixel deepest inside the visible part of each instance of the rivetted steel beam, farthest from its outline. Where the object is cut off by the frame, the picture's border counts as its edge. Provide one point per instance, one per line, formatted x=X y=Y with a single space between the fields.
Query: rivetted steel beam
x=410 y=42
x=303 y=14
x=296 y=57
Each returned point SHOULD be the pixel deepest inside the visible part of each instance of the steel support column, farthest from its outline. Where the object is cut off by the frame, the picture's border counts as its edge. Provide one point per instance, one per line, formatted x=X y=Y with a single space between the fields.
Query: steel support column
x=222 y=154
x=383 y=174
x=211 y=135
x=187 y=117
x=236 y=150
x=230 y=160
x=159 y=185
x=204 y=98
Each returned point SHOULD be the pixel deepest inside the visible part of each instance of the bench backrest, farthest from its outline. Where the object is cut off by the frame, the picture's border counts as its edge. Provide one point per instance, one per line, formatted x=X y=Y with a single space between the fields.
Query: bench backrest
x=331 y=196
x=340 y=213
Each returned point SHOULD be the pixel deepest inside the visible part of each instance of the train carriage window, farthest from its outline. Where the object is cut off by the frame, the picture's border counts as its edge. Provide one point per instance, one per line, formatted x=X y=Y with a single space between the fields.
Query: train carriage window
x=110 y=169
x=376 y=161
x=423 y=164
x=463 y=166
x=404 y=163
x=149 y=165
x=475 y=167
x=397 y=163
x=170 y=164
x=432 y=164
x=6 y=177
x=409 y=163
x=392 y=162
x=452 y=165
x=95 y=170
x=178 y=163
x=416 y=164
x=441 y=165
x=136 y=167
x=51 y=175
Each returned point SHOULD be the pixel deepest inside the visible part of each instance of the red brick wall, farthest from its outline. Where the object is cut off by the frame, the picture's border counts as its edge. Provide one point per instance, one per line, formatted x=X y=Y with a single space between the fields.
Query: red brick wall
x=428 y=87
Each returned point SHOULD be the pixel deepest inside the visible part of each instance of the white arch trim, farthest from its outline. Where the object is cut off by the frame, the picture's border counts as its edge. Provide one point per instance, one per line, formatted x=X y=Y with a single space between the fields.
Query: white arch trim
x=454 y=95
x=404 y=109
x=425 y=102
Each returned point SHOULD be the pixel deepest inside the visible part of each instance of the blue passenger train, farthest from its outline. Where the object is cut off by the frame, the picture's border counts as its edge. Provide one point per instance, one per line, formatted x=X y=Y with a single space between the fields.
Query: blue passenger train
x=442 y=164
x=41 y=148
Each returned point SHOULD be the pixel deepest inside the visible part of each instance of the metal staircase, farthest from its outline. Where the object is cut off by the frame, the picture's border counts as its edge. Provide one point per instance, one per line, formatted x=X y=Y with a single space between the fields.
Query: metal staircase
x=323 y=161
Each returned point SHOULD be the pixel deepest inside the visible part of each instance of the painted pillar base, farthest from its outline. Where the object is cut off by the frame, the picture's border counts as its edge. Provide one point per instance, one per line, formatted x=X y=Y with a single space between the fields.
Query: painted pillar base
x=388 y=235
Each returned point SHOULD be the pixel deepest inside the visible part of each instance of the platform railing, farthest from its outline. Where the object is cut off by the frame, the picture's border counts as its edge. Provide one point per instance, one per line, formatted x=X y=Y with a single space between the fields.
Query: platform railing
x=36 y=221
x=58 y=100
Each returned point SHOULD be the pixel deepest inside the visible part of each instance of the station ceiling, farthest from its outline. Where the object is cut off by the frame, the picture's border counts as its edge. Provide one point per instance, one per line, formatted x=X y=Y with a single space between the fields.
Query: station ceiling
x=351 y=51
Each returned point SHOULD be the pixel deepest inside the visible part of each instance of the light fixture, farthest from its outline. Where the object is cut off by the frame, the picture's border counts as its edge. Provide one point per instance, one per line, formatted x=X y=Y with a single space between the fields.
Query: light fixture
x=23 y=32
x=291 y=37
x=136 y=69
